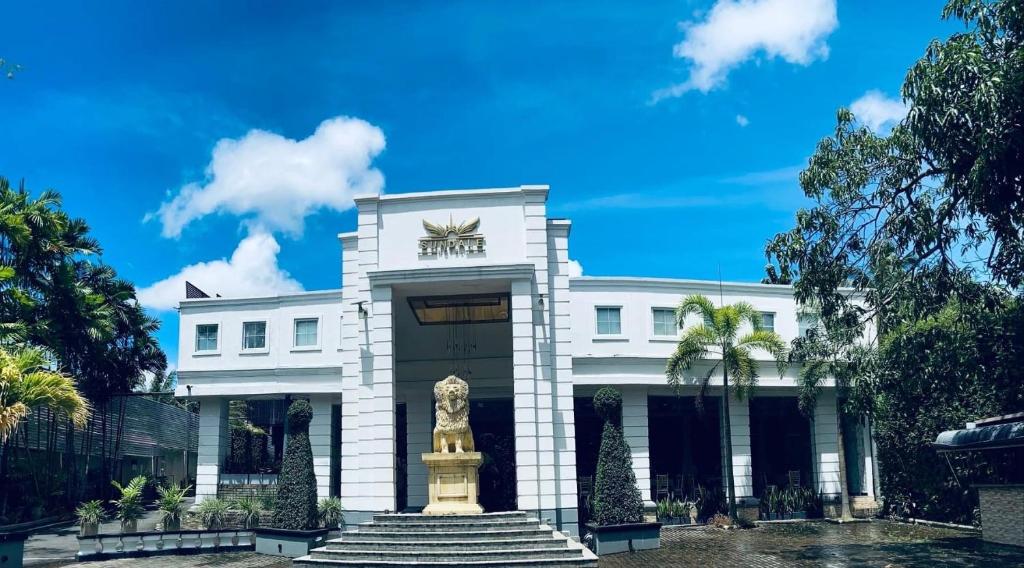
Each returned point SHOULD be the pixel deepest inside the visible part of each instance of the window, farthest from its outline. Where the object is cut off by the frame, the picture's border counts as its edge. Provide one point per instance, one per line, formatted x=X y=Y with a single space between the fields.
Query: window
x=709 y=322
x=609 y=321
x=206 y=337
x=806 y=323
x=664 y=321
x=767 y=321
x=254 y=335
x=305 y=332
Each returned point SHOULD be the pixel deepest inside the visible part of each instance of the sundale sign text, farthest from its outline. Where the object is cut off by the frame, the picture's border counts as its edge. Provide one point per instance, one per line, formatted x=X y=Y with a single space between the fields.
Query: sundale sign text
x=452 y=239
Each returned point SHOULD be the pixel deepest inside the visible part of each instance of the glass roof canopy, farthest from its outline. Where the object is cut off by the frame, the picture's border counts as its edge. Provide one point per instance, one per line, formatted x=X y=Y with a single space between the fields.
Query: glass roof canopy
x=460 y=309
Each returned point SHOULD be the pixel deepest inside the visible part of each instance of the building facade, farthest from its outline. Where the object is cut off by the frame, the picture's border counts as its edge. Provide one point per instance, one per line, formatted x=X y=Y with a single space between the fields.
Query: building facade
x=477 y=283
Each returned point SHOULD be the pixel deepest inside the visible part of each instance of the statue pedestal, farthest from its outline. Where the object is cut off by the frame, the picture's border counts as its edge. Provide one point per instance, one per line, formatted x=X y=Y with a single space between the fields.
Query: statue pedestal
x=453 y=483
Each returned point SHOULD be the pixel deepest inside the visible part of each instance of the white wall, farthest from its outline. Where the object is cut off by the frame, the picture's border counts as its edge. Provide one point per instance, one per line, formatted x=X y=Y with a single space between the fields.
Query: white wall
x=502 y=223
x=280 y=313
x=638 y=296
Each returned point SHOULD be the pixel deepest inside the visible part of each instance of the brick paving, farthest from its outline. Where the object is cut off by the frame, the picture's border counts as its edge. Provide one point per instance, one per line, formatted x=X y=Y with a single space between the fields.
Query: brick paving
x=879 y=543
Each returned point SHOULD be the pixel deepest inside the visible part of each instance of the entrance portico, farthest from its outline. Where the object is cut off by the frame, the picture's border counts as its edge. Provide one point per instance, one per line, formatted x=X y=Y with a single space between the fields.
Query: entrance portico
x=391 y=357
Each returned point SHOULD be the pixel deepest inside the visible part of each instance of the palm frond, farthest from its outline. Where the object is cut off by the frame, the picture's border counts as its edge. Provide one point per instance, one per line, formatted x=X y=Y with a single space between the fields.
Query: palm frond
x=692 y=347
x=695 y=304
x=745 y=312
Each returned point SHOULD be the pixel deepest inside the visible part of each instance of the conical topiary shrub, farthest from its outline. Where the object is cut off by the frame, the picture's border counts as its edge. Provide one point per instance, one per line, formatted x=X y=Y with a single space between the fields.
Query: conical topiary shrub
x=616 y=497
x=295 y=507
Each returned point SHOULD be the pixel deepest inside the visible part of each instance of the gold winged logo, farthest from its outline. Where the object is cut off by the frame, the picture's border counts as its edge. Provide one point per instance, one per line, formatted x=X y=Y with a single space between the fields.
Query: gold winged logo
x=442 y=231
x=451 y=238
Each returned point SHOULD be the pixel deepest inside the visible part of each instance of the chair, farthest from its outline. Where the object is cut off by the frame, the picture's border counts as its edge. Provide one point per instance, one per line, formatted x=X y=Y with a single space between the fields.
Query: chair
x=677 y=486
x=661 y=488
x=586 y=486
x=794 y=477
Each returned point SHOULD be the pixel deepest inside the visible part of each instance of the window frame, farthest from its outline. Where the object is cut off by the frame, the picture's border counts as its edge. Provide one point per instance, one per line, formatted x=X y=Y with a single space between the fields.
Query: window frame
x=319 y=332
x=654 y=324
x=196 y=352
x=606 y=336
x=800 y=316
x=266 y=337
x=760 y=326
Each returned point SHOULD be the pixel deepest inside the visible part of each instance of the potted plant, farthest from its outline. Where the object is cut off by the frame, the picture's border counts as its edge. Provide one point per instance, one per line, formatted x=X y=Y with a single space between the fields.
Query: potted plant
x=250 y=508
x=332 y=515
x=664 y=510
x=295 y=525
x=129 y=505
x=171 y=503
x=90 y=515
x=212 y=512
x=618 y=523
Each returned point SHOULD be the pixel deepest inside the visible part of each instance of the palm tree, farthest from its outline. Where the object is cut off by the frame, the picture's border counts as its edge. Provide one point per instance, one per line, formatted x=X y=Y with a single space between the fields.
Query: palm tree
x=830 y=354
x=718 y=339
x=27 y=382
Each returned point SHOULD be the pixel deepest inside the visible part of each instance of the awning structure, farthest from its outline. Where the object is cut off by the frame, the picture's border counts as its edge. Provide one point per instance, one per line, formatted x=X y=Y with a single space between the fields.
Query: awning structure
x=996 y=436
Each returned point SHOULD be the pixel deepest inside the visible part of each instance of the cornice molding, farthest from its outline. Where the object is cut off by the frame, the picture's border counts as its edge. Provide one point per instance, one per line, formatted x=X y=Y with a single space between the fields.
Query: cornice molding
x=451 y=273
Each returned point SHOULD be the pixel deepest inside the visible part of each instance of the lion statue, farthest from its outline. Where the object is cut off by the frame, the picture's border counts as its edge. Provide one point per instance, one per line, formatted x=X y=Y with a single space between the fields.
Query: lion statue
x=452 y=396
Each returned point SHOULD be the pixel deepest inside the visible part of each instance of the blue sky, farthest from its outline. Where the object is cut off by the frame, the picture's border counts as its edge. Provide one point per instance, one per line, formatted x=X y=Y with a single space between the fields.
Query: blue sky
x=674 y=149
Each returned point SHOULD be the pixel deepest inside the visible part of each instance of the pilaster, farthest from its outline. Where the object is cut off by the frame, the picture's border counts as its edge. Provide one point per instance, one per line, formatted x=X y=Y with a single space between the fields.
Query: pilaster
x=742 y=470
x=214 y=438
x=826 y=451
x=635 y=430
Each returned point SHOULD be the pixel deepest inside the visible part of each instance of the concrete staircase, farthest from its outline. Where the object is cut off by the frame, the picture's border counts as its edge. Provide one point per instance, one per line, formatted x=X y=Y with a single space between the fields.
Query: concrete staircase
x=489 y=539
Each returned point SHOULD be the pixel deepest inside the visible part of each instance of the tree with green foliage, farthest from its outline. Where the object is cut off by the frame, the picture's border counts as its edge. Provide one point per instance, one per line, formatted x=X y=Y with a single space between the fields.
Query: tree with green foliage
x=934 y=374
x=295 y=507
x=919 y=232
x=55 y=295
x=940 y=194
x=617 y=498
x=717 y=339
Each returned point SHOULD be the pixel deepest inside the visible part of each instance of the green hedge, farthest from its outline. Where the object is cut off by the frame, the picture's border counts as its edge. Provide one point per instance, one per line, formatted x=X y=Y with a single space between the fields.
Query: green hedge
x=616 y=497
x=937 y=374
x=295 y=506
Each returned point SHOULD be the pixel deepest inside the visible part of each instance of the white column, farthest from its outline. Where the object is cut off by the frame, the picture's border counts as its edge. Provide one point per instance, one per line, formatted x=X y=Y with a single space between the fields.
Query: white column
x=524 y=396
x=561 y=363
x=214 y=439
x=635 y=430
x=826 y=452
x=320 y=443
x=377 y=410
x=742 y=472
x=419 y=438
x=352 y=337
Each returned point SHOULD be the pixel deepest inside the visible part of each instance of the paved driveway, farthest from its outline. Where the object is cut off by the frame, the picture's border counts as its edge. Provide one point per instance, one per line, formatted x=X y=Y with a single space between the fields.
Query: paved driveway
x=879 y=543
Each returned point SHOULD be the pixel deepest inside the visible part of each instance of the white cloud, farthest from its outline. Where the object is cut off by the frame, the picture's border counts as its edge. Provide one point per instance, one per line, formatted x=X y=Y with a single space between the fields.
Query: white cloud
x=575 y=268
x=252 y=270
x=274 y=182
x=735 y=31
x=877 y=111
x=742 y=120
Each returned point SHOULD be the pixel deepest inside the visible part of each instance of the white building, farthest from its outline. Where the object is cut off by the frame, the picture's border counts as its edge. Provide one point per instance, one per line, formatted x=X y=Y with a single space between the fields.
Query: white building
x=534 y=344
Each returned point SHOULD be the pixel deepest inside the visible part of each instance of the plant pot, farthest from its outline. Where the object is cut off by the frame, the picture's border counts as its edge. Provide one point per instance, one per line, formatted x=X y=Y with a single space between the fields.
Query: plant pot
x=172 y=525
x=130 y=526
x=12 y=547
x=798 y=515
x=284 y=542
x=89 y=529
x=612 y=539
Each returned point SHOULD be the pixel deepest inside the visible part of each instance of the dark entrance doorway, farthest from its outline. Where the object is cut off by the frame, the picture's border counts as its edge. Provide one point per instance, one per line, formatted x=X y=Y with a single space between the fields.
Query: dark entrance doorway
x=493 y=424
x=686 y=446
x=780 y=443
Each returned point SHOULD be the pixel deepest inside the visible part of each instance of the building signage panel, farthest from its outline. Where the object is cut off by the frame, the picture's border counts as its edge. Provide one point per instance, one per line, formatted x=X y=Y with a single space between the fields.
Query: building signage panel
x=452 y=239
